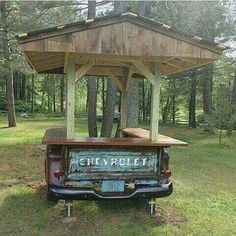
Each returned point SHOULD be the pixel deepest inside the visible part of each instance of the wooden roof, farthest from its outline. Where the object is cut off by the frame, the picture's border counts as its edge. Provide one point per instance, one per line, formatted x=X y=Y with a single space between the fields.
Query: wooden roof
x=114 y=43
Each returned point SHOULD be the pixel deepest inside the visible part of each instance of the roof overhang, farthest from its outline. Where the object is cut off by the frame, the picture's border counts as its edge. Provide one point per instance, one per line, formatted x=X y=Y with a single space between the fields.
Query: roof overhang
x=114 y=42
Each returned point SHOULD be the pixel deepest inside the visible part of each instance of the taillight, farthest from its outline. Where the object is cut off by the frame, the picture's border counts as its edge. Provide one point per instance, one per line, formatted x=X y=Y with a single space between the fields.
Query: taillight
x=167 y=173
x=58 y=174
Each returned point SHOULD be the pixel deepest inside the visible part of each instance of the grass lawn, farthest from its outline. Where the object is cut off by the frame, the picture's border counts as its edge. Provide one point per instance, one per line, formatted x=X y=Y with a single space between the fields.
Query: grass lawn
x=203 y=201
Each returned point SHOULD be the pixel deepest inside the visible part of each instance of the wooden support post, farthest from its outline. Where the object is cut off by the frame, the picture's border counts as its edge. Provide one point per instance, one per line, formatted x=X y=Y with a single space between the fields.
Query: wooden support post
x=124 y=108
x=70 y=97
x=155 y=103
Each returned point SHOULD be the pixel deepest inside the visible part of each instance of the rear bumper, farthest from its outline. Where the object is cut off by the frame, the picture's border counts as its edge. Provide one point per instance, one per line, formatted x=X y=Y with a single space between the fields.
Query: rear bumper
x=90 y=194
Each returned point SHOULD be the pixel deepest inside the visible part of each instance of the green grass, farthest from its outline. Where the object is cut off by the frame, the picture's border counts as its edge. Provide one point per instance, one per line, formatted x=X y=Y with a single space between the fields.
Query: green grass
x=203 y=201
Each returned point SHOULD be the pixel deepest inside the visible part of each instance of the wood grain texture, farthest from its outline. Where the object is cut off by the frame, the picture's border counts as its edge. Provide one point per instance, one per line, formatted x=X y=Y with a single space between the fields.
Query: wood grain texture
x=145 y=134
x=126 y=40
x=156 y=87
x=119 y=39
x=58 y=136
x=70 y=96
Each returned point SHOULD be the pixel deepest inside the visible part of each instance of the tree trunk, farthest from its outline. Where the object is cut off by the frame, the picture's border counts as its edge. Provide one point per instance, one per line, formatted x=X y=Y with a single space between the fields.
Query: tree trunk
x=23 y=86
x=143 y=101
x=62 y=94
x=32 y=93
x=220 y=137
x=49 y=94
x=192 y=103
x=133 y=103
x=207 y=87
x=54 y=93
x=8 y=67
x=43 y=100
x=173 y=102
x=15 y=84
x=92 y=107
x=92 y=92
x=133 y=91
x=109 y=108
x=103 y=96
x=166 y=110
x=233 y=99
x=110 y=102
x=149 y=103
x=233 y=104
x=108 y=114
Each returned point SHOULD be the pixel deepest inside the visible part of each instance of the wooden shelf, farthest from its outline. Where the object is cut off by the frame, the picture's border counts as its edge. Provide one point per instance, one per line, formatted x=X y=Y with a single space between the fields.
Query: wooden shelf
x=139 y=139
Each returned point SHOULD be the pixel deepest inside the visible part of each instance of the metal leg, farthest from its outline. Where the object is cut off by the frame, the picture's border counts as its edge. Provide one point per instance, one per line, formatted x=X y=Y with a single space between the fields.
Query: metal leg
x=152 y=206
x=69 y=205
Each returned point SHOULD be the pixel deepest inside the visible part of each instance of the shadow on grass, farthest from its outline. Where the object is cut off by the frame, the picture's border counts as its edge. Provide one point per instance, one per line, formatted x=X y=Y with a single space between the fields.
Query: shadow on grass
x=5 y=127
x=25 y=210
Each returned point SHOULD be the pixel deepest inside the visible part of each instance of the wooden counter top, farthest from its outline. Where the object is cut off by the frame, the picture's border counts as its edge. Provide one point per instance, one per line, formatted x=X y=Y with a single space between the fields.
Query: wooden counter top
x=58 y=136
x=145 y=134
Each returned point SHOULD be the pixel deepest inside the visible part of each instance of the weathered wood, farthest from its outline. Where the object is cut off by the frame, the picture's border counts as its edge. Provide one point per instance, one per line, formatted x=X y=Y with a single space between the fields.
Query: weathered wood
x=155 y=43
x=129 y=78
x=70 y=96
x=124 y=42
x=145 y=134
x=144 y=70
x=65 y=61
x=58 y=136
x=124 y=108
x=114 y=79
x=84 y=69
x=155 y=103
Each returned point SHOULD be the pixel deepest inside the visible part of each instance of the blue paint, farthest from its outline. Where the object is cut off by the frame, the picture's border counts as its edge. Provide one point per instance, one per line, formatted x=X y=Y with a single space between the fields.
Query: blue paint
x=114 y=161
x=146 y=181
x=113 y=186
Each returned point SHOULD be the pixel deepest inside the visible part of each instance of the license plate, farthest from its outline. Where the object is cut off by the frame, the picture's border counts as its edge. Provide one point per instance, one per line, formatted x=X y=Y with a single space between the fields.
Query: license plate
x=113 y=186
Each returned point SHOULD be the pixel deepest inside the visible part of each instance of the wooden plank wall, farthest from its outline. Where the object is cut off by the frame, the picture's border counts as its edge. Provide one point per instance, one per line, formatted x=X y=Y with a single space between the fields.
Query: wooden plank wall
x=119 y=39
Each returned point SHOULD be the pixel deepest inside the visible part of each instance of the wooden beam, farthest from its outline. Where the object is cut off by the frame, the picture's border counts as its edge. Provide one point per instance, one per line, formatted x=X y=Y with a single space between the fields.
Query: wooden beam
x=65 y=61
x=188 y=68
x=124 y=109
x=155 y=103
x=70 y=97
x=114 y=79
x=97 y=71
x=144 y=70
x=84 y=69
x=187 y=60
x=129 y=78
x=171 y=64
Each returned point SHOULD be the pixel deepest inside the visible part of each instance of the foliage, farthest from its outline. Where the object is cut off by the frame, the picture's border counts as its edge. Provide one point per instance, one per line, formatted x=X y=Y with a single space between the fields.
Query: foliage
x=3 y=101
x=211 y=20
x=22 y=106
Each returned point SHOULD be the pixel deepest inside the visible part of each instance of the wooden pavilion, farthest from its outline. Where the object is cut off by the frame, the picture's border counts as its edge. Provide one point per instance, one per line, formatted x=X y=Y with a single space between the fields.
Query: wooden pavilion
x=121 y=46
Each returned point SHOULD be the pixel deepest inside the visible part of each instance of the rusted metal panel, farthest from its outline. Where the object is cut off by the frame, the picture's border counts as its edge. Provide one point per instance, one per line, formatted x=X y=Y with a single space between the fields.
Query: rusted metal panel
x=111 y=163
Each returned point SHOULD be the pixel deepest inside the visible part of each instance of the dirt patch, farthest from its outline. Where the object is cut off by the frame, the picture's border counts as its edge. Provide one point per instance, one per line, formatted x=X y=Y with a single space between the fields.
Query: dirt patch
x=168 y=216
x=22 y=164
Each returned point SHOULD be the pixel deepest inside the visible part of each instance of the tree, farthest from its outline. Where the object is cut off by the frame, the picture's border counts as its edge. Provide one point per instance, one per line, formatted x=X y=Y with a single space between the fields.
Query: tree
x=133 y=91
x=210 y=20
x=8 y=66
x=109 y=108
x=111 y=93
x=192 y=102
x=92 y=85
x=222 y=115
